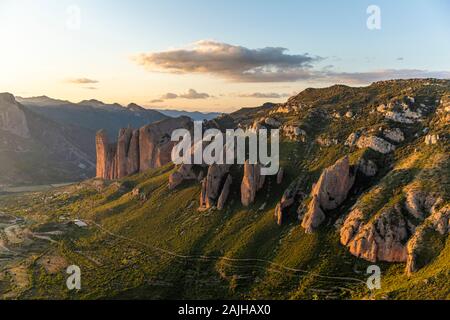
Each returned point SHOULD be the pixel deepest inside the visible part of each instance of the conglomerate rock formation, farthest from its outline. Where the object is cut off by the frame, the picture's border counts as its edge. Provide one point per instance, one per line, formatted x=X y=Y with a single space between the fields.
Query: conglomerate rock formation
x=137 y=150
x=329 y=193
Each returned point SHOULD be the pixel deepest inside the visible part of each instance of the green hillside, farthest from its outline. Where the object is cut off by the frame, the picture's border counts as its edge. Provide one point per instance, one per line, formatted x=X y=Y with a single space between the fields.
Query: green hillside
x=144 y=241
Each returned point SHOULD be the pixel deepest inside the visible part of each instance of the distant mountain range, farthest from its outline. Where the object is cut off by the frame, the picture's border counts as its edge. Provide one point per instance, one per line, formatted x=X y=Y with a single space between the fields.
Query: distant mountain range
x=45 y=140
x=194 y=115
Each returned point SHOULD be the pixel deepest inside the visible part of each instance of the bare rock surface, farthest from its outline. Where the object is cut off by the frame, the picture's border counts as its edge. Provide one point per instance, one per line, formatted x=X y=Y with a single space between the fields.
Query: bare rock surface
x=252 y=182
x=328 y=193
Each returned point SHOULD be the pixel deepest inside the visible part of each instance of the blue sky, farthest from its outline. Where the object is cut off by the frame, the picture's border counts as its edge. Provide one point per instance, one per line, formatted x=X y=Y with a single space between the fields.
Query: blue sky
x=46 y=57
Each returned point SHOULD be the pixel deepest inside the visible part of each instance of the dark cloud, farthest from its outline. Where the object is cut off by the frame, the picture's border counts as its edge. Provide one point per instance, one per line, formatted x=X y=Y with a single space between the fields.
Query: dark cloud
x=269 y=95
x=237 y=63
x=82 y=81
x=157 y=101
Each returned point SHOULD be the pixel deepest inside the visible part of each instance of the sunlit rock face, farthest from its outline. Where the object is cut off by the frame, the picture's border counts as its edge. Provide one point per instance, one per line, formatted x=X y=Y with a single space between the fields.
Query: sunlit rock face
x=137 y=150
x=328 y=193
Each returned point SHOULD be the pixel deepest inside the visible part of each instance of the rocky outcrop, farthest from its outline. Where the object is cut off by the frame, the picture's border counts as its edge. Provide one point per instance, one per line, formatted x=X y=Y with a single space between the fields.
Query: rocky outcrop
x=155 y=147
x=137 y=150
x=380 y=239
x=367 y=167
x=106 y=157
x=12 y=117
x=290 y=196
x=392 y=235
x=252 y=182
x=294 y=133
x=280 y=175
x=225 y=192
x=329 y=193
x=212 y=186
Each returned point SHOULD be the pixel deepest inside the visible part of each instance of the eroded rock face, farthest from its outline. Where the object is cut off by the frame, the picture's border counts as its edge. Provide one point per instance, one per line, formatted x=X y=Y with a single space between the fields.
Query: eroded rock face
x=106 y=156
x=380 y=239
x=212 y=186
x=12 y=117
x=418 y=249
x=154 y=142
x=252 y=182
x=395 y=236
x=137 y=150
x=328 y=193
x=289 y=198
x=225 y=192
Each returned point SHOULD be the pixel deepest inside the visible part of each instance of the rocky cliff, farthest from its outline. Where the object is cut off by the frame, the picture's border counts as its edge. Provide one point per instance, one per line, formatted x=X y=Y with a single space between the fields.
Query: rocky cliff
x=12 y=116
x=329 y=192
x=137 y=150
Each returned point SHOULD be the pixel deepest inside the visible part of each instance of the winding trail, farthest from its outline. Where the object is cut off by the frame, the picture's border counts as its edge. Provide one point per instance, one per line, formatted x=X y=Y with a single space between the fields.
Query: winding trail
x=223 y=258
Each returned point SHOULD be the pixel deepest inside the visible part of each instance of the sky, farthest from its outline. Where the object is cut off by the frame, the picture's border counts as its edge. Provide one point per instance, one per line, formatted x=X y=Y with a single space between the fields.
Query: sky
x=216 y=55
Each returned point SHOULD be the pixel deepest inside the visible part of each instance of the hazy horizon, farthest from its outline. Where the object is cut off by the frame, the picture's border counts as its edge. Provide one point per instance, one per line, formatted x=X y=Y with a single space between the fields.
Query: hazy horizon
x=205 y=56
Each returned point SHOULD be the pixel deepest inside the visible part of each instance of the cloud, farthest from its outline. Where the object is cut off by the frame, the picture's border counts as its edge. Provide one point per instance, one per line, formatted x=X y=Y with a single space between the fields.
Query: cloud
x=82 y=81
x=191 y=94
x=261 y=95
x=236 y=63
x=169 y=96
x=157 y=101
x=269 y=64
x=90 y=88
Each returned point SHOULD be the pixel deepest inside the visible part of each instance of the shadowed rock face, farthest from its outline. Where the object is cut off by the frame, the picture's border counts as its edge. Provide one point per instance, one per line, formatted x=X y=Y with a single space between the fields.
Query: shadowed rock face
x=212 y=186
x=329 y=193
x=138 y=150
